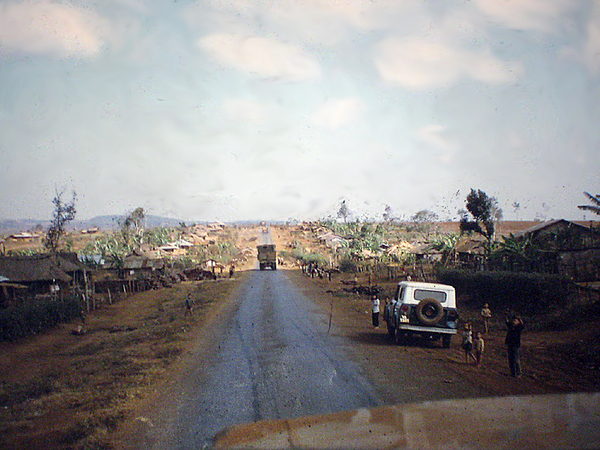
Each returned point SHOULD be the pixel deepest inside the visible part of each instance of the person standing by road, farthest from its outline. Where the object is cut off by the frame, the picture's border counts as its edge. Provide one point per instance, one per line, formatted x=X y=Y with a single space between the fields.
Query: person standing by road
x=467 y=343
x=514 y=327
x=478 y=346
x=375 y=306
x=486 y=315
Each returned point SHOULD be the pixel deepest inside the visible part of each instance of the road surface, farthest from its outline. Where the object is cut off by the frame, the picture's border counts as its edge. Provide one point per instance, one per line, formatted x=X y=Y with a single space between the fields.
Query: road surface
x=275 y=360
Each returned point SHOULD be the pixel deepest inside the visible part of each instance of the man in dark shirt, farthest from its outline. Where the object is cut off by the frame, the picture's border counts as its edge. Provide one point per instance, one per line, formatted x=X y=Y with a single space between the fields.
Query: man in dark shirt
x=514 y=327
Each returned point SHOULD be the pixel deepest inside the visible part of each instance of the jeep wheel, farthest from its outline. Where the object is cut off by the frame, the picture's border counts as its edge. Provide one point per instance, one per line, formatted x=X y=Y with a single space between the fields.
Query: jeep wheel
x=429 y=311
x=446 y=340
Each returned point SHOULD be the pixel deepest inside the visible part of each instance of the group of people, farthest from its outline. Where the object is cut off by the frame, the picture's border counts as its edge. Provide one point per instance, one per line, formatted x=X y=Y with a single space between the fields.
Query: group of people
x=474 y=345
x=472 y=341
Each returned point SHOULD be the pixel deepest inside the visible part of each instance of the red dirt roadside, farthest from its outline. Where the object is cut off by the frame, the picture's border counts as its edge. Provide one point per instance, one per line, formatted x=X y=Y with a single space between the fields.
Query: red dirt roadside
x=60 y=391
x=552 y=361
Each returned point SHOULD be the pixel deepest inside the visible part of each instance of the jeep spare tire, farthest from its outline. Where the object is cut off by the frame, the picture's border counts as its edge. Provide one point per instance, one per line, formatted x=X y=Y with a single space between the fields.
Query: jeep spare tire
x=429 y=311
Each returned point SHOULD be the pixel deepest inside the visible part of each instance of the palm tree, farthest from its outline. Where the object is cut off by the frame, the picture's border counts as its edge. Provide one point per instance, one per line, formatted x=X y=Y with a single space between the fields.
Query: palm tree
x=595 y=199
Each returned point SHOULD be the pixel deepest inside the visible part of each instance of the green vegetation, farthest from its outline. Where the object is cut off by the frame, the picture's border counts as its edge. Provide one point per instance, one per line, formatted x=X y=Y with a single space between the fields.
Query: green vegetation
x=36 y=316
x=527 y=293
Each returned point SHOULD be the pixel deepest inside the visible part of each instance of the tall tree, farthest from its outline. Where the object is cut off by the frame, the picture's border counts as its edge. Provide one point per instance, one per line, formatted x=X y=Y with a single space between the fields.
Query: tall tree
x=516 y=206
x=388 y=214
x=133 y=226
x=595 y=206
x=424 y=221
x=63 y=214
x=344 y=211
x=484 y=211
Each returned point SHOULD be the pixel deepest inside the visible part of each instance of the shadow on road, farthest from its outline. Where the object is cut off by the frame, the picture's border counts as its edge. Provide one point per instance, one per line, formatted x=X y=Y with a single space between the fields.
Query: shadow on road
x=378 y=338
x=372 y=338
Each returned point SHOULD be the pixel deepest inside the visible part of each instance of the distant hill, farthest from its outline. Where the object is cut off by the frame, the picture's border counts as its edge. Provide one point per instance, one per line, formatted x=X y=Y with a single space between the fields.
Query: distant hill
x=10 y=226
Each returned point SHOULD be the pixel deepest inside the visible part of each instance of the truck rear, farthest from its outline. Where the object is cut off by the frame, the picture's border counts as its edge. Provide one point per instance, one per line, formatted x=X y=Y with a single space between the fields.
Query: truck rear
x=267 y=256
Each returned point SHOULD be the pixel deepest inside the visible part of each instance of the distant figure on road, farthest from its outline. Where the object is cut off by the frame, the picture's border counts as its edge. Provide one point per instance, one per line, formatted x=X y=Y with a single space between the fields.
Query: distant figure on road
x=375 y=304
x=514 y=327
x=231 y=270
x=467 y=343
x=189 y=305
x=478 y=346
x=486 y=315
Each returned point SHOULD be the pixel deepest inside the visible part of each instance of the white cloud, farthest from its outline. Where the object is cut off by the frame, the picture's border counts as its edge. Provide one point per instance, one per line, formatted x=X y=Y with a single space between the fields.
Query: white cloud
x=360 y=13
x=336 y=113
x=591 y=50
x=261 y=56
x=48 y=28
x=321 y=22
x=419 y=63
x=247 y=111
x=542 y=15
x=433 y=135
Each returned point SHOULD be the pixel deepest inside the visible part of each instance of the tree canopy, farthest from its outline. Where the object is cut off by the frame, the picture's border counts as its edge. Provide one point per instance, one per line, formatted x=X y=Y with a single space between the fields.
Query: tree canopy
x=63 y=214
x=484 y=213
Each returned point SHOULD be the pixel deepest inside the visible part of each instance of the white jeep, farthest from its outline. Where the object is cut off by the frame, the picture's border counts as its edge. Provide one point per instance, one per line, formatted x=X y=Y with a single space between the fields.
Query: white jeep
x=420 y=309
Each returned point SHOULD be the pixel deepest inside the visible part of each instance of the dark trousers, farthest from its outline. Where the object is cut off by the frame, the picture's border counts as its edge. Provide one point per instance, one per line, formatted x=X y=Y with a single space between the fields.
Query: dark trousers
x=376 y=319
x=513 y=360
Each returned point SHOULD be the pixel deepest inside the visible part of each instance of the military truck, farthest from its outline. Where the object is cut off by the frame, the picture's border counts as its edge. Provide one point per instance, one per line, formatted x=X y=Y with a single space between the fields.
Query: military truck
x=267 y=257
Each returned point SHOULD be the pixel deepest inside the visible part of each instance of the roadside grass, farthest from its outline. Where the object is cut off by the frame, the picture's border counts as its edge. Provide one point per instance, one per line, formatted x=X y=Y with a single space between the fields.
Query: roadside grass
x=85 y=386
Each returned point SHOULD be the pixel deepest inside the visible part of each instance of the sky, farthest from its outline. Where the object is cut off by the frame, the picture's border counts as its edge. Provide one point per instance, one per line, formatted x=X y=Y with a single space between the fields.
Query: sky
x=281 y=109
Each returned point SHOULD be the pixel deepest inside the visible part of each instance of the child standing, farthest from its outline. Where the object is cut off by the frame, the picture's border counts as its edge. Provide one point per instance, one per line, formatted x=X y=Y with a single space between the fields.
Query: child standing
x=479 y=346
x=486 y=315
x=189 y=306
x=467 y=343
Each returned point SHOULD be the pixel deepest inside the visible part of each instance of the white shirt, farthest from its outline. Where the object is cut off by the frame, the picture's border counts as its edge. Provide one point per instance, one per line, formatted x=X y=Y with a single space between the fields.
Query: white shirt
x=376 y=305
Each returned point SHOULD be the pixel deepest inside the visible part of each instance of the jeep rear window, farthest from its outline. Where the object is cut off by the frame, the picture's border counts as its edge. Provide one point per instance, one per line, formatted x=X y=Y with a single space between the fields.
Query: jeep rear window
x=398 y=294
x=421 y=294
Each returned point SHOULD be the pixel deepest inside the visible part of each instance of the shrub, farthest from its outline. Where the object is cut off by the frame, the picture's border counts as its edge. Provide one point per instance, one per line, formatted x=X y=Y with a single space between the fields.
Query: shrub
x=527 y=293
x=34 y=317
x=348 y=265
x=306 y=258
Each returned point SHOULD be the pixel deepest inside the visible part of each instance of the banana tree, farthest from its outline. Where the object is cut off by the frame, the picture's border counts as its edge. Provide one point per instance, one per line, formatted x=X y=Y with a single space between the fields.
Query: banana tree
x=446 y=245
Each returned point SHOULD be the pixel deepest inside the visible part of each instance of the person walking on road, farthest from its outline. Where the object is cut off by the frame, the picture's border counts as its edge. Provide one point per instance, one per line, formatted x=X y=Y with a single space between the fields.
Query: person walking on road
x=189 y=305
x=375 y=306
x=486 y=315
x=514 y=327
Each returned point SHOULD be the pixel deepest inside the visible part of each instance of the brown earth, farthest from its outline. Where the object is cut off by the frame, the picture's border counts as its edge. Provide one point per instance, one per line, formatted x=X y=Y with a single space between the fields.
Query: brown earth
x=59 y=390
x=552 y=361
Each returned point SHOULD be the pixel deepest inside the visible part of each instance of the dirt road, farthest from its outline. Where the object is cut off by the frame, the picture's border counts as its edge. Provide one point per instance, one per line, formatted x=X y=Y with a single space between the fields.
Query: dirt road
x=274 y=359
x=279 y=354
